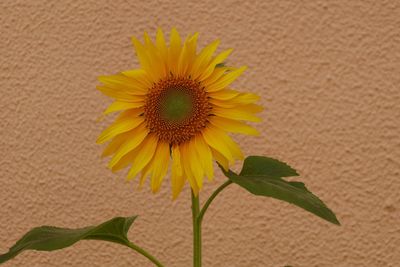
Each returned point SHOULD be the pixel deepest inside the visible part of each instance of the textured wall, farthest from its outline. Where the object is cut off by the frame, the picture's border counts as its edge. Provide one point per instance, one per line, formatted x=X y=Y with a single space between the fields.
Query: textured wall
x=328 y=73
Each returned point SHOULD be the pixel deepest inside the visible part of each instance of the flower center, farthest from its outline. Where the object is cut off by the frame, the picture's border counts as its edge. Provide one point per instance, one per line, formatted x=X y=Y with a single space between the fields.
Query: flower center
x=176 y=105
x=176 y=109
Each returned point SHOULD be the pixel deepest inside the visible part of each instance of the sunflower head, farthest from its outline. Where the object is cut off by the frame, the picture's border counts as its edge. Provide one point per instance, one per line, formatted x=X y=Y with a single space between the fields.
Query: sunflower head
x=176 y=110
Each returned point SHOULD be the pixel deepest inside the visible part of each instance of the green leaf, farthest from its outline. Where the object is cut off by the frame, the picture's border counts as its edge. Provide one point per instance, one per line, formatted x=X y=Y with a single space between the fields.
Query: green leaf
x=48 y=238
x=257 y=165
x=262 y=176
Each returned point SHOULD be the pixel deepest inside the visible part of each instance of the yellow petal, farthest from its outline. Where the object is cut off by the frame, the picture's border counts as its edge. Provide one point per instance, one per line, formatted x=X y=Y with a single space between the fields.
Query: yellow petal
x=204 y=156
x=224 y=94
x=222 y=142
x=191 y=52
x=233 y=126
x=217 y=60
x=156 y=60
x=148 y=43
x=203 y=59
x=235 y=113
x=246 y=98
x=141 y=53
x=120 y=105
x=177 y=178
x=133 y=140
x=174 y=51
x=146 y=61
x=176 y=156
x=215 y=75
x=122 y=87
x=195 y=163
x=160 y=167
x=161 y=45
x=186 y=167
x=143 y=57
x=127 y=121
x=125 y=161
x=182 y=61
x=187 y=56
x=224 y=162
x=222 y=103
x=212 y=138
x=147 y=170
x=144 y=153
x=118 y=94
x=241 y=99
x=122 y=82
x=225 y=80
x=140 y=77
x=115 y=143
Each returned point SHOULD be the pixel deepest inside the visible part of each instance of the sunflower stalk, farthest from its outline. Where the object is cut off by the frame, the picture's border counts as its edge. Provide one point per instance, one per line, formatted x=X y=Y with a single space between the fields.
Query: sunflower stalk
x=198 y=219
x=196 y=231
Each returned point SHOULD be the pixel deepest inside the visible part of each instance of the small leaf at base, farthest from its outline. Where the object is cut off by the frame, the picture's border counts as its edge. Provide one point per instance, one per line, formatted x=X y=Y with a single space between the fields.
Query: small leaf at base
x=49 y=238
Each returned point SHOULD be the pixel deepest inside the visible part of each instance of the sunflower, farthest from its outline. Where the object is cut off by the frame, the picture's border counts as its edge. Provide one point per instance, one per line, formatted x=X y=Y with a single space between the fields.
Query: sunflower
x=176 y=109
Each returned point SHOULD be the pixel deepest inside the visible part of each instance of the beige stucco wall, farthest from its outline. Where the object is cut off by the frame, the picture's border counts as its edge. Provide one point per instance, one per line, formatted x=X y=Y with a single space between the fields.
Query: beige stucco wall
x=329 y=76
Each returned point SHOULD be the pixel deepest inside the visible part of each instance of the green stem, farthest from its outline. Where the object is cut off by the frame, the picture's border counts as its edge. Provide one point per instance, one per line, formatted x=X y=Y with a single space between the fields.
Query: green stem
x=196 y=231
x=210 y=199
x=197 y=216
x=145 y=253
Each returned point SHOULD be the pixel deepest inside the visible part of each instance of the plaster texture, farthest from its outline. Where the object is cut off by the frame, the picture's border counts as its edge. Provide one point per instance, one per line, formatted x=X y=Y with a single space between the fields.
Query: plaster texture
x=328 y=73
